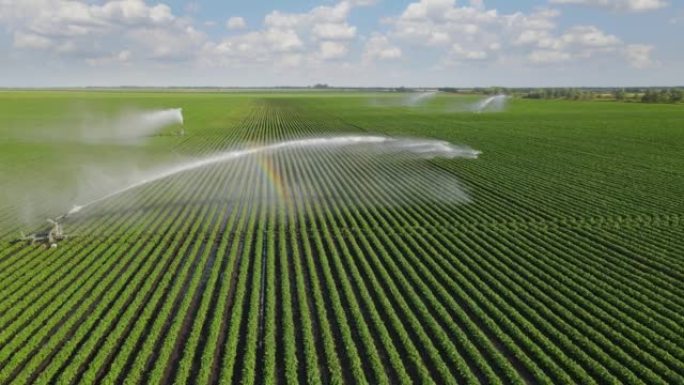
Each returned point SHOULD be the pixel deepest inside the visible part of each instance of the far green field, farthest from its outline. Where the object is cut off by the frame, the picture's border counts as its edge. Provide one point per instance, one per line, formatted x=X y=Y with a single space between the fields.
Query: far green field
x=319 y=265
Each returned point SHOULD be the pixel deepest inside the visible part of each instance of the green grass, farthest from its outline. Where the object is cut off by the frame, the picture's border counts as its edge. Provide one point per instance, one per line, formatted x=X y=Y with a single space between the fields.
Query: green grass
x=335 y=266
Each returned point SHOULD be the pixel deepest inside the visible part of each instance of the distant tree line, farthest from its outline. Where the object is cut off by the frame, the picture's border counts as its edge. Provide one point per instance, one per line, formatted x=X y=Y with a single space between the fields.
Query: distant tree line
x=479 y=90
x=559 y=93
x=666 y=95
x=629 y=94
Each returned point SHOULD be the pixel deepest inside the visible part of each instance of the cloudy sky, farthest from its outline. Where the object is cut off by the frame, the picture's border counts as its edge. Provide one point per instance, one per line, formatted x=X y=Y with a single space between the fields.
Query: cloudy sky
x=347 y=42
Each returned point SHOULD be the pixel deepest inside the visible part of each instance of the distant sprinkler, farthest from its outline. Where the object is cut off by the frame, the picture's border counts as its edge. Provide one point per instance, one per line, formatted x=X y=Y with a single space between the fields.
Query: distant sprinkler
x=181 y=121
x=180 y=115
x=420 y=98
x=138 y=125
x=492 y=103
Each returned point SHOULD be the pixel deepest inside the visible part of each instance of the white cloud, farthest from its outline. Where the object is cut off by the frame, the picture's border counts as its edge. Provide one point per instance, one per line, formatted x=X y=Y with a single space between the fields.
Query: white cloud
x=477 y=4
x=332 y=31
x=321 y=23
x=178 y=43
x=322 y=14
x=468 y=31
x=31 y=40
x=142 y=36
x=259 y=46
x=639 y=56
x=282 y=40
x=464 y=33
x=467 y=54
x=587 y=37
x=115 y=58
x=322 y=33
x=361 y=2
x=333 y=50
x=236 y=22
x=543 y=56
x=379 y=47
x=619 y=5
x=92 y=31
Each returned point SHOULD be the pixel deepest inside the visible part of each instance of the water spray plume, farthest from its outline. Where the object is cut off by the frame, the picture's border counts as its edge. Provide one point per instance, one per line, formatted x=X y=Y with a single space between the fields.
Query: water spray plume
x=161 y=118
x=492 y=103
x=132 y=126
x=425 y=148
x=420 y=98
x=148 y=123
x=124 y=127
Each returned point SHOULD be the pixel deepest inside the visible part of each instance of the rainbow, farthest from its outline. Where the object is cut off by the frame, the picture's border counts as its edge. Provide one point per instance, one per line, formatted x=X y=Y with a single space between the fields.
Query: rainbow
x=274 y=178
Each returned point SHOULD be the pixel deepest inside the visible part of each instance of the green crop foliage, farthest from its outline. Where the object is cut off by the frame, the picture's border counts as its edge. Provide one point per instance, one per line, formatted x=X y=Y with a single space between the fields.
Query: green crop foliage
x=323 y=265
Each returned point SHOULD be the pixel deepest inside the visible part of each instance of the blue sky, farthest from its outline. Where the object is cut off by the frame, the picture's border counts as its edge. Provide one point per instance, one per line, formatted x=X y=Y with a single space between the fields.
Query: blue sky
x=342 y=43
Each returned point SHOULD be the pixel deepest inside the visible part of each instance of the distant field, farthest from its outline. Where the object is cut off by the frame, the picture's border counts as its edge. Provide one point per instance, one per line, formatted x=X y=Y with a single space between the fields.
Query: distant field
x=564 y=264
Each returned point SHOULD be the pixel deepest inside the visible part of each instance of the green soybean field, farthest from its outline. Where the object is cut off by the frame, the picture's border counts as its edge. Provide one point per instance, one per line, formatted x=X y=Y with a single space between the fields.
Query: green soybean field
x=552 y=252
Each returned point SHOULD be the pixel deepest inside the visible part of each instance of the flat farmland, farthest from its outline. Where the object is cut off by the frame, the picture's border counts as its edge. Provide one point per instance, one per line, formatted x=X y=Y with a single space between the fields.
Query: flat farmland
x=331 y=239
